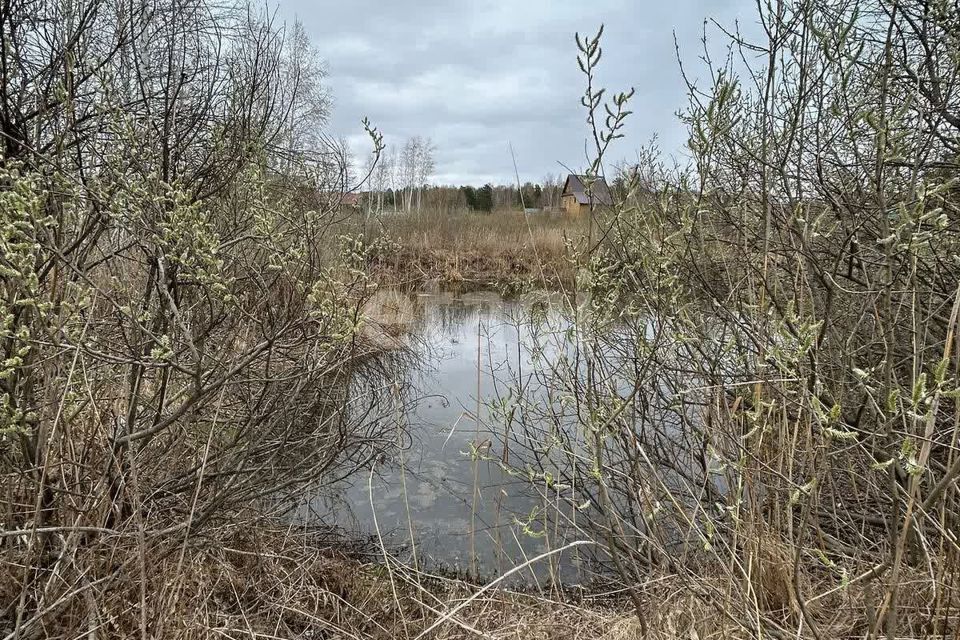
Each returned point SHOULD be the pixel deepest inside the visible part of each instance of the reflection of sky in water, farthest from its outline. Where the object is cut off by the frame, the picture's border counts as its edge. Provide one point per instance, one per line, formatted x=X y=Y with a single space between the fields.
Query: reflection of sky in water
x=481 y=346
x=439 y=472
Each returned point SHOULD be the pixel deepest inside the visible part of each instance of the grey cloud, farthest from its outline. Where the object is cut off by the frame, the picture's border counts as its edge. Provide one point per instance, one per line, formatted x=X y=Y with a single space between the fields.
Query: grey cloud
x=477 y=77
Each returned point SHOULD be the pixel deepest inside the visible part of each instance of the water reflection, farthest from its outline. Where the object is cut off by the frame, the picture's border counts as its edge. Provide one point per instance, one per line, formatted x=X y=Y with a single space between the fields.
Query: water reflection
x=502 y=438
x=451 y=488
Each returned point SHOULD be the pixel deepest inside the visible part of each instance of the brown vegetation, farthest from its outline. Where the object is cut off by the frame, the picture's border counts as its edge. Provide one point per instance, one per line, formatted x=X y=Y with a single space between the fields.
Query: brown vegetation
x=756 y=428
x=766 y=395
x=501 y=249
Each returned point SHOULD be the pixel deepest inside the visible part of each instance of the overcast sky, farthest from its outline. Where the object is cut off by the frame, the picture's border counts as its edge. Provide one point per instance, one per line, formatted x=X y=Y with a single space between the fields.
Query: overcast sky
x=478 y=76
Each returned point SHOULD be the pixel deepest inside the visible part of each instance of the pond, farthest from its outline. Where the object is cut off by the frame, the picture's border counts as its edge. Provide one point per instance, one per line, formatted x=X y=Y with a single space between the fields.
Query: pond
x=457 y=499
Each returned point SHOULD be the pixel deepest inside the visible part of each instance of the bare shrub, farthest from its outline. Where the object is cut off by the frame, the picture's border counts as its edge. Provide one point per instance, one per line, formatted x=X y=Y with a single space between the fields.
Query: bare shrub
x=760 y=400
x=180 y=337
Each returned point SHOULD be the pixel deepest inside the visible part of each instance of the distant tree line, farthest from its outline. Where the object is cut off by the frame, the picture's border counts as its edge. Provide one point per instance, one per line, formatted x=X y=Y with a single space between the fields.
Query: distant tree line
x=398 y=181
x=486 y=198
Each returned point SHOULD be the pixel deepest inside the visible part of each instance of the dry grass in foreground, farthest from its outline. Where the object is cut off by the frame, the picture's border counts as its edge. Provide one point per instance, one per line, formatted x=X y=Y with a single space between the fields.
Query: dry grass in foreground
x=277 y=582
x=263 y=582
x=500 y=248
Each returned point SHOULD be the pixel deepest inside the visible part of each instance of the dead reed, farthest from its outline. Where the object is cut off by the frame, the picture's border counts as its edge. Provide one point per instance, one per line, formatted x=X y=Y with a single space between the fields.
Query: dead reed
x=483 y=249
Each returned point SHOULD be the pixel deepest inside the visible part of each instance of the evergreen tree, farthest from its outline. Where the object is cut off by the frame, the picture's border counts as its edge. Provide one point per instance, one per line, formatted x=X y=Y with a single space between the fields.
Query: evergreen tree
x=484 y=198
x=470 y=195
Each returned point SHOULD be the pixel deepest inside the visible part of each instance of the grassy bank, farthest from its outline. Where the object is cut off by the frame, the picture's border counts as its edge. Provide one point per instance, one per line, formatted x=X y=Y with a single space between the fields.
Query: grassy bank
x=270 y=581
x=503 y=248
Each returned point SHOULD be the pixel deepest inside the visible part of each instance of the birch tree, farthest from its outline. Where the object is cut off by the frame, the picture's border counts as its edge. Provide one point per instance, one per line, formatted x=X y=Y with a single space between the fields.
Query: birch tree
x=408 y=170
x=424 y=166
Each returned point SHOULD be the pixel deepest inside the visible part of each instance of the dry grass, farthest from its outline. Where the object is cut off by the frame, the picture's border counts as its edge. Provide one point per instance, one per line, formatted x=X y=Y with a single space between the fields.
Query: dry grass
x=249 y=576
x=499 y=248
x=272 y=582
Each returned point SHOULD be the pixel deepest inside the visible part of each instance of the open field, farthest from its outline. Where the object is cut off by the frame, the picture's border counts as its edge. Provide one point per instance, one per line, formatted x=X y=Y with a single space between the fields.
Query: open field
x=502 y=249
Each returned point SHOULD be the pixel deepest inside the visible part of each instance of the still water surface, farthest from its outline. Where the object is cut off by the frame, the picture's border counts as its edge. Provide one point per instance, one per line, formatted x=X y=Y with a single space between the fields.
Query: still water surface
x=450 y=488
